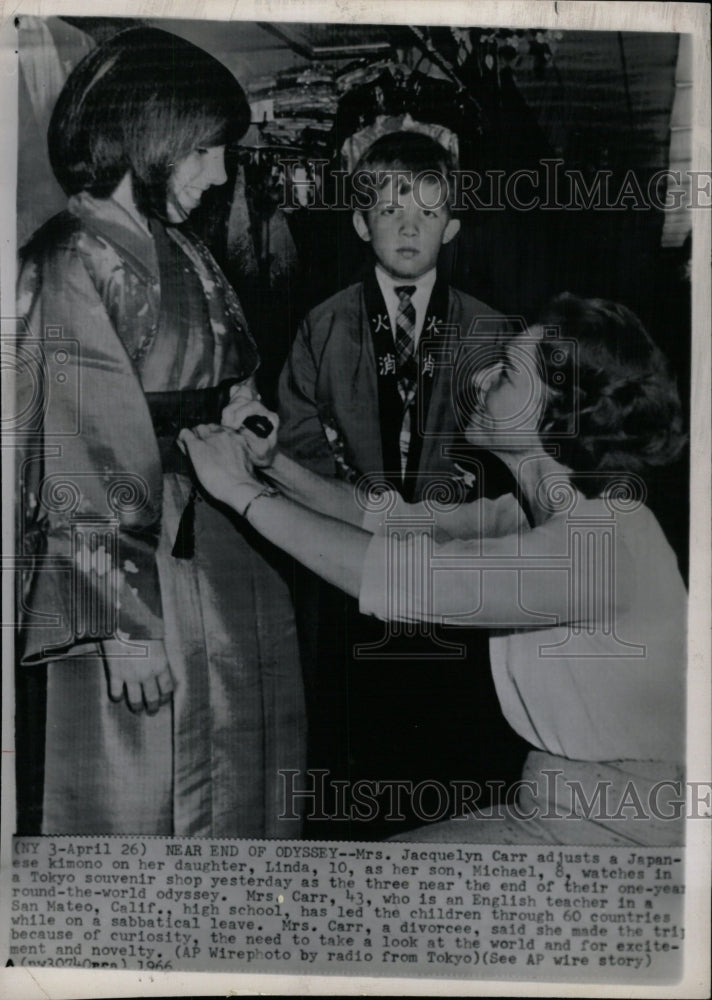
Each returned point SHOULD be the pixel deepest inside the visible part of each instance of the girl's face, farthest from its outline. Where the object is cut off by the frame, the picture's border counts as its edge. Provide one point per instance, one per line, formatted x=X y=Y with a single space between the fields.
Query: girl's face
x=191 y=178
x=508 y=397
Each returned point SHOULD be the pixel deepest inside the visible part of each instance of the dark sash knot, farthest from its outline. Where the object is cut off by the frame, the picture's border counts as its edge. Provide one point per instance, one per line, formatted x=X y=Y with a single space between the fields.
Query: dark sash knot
x=184 y=546
x=170 y=413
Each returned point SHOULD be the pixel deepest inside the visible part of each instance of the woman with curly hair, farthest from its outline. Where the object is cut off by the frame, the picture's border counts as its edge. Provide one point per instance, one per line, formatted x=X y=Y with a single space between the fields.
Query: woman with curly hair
x=130 y=571
x=574 y=577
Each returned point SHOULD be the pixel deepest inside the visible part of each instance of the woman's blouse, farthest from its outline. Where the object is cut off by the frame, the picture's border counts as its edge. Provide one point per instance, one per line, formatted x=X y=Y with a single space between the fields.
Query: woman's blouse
x=587 y=614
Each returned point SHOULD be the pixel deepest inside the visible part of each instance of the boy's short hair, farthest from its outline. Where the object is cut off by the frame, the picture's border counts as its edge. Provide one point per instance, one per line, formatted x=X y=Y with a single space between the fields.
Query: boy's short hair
x=139 y=103
x=611 y=404
x=407 y=155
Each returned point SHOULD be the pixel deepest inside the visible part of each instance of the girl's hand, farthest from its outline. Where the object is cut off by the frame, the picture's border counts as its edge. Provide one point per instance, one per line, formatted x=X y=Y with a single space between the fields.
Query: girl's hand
x=146 y=682
x=261 y=450
x=221 y=463
x=244 y=391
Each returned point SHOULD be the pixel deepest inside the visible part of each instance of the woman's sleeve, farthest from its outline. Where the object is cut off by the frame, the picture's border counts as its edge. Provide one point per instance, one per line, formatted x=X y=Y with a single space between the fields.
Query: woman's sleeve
x=85 y=573
x=480 y=518
x=559 y=572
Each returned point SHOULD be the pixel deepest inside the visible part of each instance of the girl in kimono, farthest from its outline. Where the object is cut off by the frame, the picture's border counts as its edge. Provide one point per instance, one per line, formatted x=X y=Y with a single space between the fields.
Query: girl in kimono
x=574 y=577
x=158 y=683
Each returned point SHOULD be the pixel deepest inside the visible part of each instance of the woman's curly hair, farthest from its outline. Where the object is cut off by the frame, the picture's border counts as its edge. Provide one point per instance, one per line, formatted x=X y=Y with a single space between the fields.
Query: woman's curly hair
x=611 y=405
x=139 y=103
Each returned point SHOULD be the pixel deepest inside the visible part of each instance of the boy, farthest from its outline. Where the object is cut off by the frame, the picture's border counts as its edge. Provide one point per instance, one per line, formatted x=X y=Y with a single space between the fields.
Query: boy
x=363 y=391
x=341 y=394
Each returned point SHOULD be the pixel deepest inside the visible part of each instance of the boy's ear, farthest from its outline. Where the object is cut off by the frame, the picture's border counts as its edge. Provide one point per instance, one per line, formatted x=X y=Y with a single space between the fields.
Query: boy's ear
x=451 y=230
x=361 y=226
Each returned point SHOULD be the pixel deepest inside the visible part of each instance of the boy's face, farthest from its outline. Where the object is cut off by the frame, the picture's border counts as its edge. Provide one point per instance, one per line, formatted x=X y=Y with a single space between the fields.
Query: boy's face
x=405 y=232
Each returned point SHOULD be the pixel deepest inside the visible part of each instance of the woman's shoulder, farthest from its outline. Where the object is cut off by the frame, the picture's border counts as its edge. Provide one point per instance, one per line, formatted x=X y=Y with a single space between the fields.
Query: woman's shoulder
x=643 y=533
x=629 y=513
x=638 y=536
x=634 y=525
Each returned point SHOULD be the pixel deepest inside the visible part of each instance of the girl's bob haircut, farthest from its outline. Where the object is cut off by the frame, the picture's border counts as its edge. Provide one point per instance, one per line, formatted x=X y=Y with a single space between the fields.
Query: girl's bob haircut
x=139 y=103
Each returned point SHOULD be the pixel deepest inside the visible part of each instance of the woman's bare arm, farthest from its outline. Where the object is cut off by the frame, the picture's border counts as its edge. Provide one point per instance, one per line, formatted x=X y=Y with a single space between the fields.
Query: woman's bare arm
x=332 y=497
x=533 y=578
x=332 y=549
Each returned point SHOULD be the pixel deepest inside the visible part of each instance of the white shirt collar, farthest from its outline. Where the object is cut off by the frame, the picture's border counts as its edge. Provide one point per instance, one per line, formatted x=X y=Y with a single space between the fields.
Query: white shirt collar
x=420 y=298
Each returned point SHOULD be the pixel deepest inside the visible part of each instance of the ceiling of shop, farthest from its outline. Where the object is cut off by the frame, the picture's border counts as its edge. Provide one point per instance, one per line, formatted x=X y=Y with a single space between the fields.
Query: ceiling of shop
x=605 y=98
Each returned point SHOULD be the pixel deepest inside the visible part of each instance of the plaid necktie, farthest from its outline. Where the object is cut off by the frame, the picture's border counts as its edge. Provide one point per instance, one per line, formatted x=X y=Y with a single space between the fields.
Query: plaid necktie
x=405 y=363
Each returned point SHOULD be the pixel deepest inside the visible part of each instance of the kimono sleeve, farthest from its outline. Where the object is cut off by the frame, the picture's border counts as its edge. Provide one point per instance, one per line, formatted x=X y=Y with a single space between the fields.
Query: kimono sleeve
x=86 y=568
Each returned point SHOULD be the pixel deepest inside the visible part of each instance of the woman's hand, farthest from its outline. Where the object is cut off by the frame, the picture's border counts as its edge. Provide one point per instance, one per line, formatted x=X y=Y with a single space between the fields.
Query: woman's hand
x=145 y=681
x=241 y=406
x=221 y=463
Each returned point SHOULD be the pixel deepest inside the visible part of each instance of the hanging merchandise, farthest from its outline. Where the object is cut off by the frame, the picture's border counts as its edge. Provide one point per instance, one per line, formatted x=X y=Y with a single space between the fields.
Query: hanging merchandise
x=356 y=145
x=294 y=108
x=456 y=82
x=312 y=123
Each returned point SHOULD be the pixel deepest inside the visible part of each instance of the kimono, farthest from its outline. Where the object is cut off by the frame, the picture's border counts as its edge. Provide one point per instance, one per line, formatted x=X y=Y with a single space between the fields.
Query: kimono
x=335 y=411
x=406 y=703
x=112 y=318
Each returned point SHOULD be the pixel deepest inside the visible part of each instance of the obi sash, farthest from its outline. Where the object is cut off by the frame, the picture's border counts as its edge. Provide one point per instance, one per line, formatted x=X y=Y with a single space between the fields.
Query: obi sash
x=170 y=412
